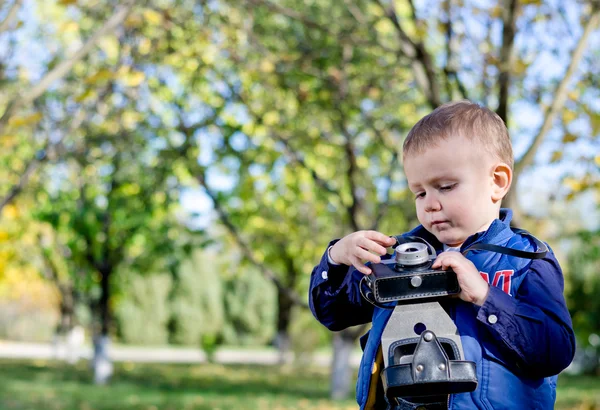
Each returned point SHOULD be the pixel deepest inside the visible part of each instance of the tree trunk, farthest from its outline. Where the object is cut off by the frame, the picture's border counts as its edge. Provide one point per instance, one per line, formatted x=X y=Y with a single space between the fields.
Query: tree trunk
x=102 y=364
x=341 y=372
x=282 y=339
x=65 y=324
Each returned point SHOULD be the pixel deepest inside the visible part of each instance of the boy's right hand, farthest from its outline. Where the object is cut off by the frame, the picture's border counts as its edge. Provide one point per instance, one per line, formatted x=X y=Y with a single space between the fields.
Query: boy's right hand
x=360 y=246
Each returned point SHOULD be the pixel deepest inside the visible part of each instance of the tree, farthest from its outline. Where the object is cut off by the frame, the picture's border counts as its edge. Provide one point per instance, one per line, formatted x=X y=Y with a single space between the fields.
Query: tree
x=324 y=93
x=112 y=203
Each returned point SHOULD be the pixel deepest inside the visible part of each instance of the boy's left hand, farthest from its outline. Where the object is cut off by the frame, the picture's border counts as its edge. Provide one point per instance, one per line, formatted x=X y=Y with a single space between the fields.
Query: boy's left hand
x=474 y=288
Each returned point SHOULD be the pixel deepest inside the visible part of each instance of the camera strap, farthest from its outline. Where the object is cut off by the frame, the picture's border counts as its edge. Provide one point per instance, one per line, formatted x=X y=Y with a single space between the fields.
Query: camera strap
x=539 y=254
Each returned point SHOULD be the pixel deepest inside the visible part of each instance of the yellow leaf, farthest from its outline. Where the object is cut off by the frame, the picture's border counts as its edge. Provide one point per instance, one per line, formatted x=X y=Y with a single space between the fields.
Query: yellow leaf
x=384 y=26
x=519 y=66
x=110 y=45
x=575 y=184
x=99 y=77
x=192 y=65
x=569 y=116
x=144 y=46
x=574 y=95
x=210 y=54
x=133 y=21
x=66 y=2
x=556 y=156
x=597 y=160
x=496 y=12
x=69 y=27
x=267 y=66
x=257 y=222
x=10 y=211
x=568 y=137
x=133 y=79
x=131 y=189
x=271 y=118
x=85 y=95
x=152 y=16
x=8 y=140
x=130 y=119
x=20 y=121
x=362 y=162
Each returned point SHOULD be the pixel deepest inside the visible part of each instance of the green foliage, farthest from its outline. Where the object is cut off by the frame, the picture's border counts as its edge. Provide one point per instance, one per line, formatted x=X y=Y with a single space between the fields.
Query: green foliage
x=306 y=335
x=196 y=302
x=143 y=313
x=583 y=286
x=250 y=306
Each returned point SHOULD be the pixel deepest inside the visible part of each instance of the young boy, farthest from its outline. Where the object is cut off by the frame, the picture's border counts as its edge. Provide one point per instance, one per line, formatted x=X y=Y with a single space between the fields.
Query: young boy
x=510 y=313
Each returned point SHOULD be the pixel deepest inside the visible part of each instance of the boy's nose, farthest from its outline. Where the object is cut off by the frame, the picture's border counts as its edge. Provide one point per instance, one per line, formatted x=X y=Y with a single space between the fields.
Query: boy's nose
x=432 y=204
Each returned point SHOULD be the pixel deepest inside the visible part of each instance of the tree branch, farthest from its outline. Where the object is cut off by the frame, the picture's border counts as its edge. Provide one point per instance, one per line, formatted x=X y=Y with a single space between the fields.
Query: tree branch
x=32 y=165
x=422 y=62
x=40 y=157
x=560 y=95
x=450 y=69
x=293 y=14
x=64 y=67
x=224 y=217
x=509 y=17
x=289 y=152
x=12 y=13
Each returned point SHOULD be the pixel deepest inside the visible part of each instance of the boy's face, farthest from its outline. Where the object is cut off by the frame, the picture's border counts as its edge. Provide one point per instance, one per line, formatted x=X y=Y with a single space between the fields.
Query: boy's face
x=453 y=183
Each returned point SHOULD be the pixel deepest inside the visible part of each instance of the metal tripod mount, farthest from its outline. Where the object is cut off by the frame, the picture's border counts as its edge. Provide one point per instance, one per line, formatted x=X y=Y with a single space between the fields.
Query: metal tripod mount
x=422 y=352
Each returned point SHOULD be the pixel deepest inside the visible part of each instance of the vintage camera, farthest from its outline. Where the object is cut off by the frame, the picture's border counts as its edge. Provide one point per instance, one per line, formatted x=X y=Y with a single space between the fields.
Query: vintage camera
x=409 y=275
x=422 y=351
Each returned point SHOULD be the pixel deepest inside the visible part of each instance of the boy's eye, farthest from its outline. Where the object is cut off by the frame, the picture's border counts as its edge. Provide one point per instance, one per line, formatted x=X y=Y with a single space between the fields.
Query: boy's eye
x=420 y=195
x=447 y=187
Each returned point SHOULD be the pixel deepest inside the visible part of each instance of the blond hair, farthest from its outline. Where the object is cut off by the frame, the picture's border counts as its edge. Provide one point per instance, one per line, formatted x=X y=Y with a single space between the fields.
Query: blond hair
x=461 y=118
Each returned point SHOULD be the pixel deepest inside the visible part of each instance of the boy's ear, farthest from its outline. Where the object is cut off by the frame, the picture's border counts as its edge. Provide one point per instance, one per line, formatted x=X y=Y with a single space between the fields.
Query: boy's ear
x=501 y=179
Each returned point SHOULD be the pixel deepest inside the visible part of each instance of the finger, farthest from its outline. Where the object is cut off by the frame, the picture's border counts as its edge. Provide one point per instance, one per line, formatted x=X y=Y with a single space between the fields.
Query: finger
x=438 y=261
x=380 y=238
x=444 y=261
x=359 y=265
x=372 y=246
x=366 y=255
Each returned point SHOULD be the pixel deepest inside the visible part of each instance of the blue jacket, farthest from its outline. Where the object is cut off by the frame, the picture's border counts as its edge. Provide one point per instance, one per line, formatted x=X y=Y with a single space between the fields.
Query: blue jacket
x=517 y=353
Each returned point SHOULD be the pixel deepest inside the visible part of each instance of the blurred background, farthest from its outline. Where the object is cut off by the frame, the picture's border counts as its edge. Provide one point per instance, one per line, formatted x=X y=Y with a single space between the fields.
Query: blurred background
x=171 y=171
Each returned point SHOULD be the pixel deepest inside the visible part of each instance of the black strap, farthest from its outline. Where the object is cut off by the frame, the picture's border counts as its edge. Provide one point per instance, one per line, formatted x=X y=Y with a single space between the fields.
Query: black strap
x=539 y=254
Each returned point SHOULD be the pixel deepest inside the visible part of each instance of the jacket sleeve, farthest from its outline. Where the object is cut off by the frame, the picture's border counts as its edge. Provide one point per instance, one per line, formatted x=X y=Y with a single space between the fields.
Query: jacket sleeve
x=334 y=295
x=534 y=328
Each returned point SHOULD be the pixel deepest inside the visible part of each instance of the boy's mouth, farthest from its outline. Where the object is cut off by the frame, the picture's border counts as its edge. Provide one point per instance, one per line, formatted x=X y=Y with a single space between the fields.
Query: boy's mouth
x=439 y=223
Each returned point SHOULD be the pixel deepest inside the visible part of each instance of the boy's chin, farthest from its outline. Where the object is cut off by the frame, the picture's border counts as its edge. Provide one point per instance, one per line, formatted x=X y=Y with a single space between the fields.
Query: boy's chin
x=452 y=241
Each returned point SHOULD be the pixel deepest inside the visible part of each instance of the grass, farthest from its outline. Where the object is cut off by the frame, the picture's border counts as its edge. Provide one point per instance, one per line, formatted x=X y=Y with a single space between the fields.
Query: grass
x=37 y=385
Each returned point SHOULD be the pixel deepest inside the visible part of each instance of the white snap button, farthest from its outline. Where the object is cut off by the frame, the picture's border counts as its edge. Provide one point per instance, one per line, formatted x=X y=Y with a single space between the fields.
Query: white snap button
x=492 y=319
x=324 y=274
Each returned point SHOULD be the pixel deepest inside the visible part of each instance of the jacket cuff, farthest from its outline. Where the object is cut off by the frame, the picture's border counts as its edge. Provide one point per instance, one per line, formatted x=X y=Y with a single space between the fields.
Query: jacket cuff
x=330 y=276
x=497 y=311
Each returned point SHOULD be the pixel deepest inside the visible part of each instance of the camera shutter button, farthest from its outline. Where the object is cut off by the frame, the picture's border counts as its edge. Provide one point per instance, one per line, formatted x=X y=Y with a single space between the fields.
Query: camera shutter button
x=416 y=281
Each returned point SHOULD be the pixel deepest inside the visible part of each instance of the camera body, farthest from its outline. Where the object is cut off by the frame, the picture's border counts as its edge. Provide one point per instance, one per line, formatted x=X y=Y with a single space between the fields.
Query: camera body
x=409 y=276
